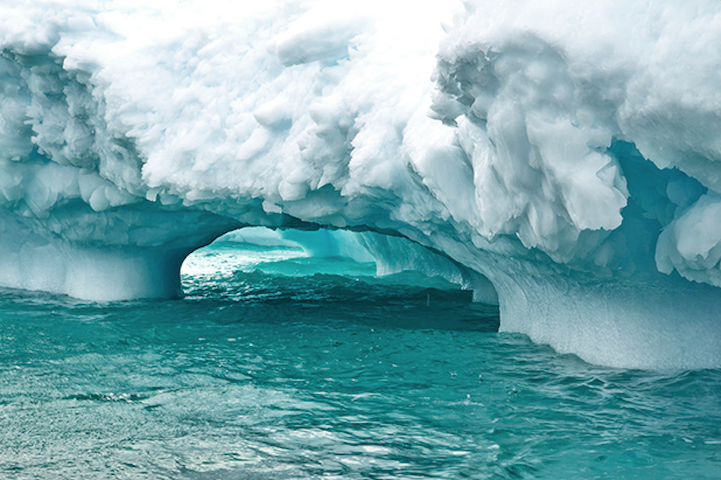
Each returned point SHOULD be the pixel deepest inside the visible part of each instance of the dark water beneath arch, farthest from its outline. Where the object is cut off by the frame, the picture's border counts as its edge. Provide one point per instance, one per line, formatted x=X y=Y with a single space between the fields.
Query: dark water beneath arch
x=277 y=366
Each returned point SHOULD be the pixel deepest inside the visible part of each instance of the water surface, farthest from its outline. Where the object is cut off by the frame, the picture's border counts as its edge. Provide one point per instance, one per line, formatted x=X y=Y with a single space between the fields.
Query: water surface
x=278 y=366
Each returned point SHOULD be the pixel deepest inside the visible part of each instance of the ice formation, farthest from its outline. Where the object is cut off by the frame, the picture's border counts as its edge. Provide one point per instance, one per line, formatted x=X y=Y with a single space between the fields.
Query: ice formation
x=564 y=157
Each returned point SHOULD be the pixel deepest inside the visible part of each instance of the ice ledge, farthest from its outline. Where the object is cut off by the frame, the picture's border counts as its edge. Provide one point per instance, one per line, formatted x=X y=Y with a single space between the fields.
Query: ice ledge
x=665 y=323
x=93 y=273
x=140 y=257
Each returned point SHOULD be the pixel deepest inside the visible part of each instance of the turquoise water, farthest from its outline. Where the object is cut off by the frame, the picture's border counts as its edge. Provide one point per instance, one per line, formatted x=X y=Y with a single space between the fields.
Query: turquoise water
x=277 y=366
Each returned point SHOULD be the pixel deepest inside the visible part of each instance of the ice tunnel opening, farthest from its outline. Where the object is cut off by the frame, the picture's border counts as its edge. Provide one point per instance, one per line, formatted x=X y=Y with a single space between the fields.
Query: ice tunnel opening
x=259 y=264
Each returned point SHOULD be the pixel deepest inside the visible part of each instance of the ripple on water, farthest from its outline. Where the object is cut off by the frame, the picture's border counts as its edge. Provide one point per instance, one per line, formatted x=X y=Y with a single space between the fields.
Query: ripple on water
x=263 y=375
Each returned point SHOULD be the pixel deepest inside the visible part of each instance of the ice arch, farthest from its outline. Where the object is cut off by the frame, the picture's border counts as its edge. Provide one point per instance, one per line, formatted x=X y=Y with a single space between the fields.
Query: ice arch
x=563 y=153
x=390 y=254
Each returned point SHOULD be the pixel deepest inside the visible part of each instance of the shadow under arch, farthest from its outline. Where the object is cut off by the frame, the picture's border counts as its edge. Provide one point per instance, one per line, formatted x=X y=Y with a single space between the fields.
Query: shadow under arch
x=337 y=272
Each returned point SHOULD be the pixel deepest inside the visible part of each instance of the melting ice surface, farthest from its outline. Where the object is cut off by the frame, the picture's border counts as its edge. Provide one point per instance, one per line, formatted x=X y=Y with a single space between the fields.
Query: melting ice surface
x=559 y=159
x=281 y=365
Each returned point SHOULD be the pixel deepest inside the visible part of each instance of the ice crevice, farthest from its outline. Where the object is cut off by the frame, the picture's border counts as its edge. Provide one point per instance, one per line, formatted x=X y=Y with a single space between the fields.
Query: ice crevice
x=557 y=159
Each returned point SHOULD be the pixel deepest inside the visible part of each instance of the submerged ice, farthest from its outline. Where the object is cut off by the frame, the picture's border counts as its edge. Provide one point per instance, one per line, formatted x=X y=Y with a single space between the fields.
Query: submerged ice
x=563 y=160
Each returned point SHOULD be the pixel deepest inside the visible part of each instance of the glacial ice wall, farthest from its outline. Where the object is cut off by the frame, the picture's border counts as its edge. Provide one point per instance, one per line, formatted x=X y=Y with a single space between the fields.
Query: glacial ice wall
x=567 y=155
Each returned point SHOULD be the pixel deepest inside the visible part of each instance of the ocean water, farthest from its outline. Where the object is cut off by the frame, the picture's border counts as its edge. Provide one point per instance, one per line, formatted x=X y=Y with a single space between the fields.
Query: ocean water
x=279 y=366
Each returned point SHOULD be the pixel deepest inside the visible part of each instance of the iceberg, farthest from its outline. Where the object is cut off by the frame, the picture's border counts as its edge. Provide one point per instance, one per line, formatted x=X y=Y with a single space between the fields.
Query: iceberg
x=562 y=160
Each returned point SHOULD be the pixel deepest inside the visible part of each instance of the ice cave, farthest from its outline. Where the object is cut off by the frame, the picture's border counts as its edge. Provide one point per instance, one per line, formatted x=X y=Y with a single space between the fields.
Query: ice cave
x=572 y=175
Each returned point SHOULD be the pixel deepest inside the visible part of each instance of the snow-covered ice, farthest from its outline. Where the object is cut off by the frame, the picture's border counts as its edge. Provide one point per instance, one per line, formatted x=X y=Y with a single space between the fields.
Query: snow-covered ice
x=564 y=159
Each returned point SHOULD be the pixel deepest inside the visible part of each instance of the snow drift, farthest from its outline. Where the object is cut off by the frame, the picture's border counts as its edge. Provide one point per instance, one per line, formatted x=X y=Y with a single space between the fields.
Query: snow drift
x=564 y=157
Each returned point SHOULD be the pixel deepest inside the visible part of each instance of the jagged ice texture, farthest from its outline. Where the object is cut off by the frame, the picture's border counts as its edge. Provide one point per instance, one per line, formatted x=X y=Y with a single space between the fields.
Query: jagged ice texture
x=563 y=159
